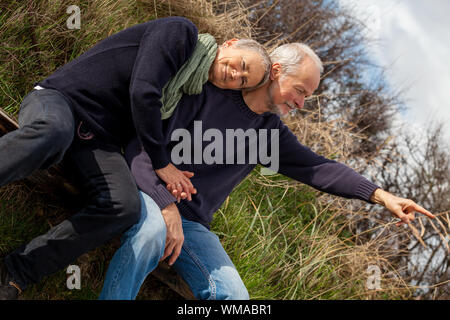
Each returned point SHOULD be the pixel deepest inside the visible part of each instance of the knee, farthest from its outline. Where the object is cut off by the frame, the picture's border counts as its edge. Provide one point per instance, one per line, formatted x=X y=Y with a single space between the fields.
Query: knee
x=50 y=137
x=228 y=285
x=59 y=130
x=129 y=206
x=148 y=236
x=62 y=134
x=149 y=241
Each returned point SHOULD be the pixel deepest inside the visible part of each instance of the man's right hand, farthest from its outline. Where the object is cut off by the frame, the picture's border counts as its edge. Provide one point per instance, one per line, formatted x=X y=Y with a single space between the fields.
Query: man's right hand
x=174 y=233
x=177 y=180
x=401 y=208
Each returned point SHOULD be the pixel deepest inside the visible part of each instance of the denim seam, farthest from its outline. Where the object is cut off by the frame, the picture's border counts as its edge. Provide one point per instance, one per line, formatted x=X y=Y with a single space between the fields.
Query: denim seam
x=115 y=278
x=204 y=270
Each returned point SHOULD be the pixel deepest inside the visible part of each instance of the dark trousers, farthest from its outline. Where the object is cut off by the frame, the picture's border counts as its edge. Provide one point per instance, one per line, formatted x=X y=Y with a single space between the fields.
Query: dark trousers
x=46 y=135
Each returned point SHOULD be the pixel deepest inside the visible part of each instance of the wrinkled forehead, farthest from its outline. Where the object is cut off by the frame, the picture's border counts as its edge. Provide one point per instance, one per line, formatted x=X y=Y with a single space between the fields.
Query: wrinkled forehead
x=307 y=74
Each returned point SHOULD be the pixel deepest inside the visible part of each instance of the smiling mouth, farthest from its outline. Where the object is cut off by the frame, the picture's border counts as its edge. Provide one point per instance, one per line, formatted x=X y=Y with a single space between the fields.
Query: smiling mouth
x=291 y=107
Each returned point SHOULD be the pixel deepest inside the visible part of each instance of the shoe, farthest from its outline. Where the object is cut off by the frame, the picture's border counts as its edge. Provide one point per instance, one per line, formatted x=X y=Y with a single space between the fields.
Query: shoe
x=8 y=289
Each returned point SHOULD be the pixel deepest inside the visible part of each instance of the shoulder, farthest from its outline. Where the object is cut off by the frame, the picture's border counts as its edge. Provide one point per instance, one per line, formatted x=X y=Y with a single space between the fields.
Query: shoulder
x=179 y=20
x=175 y=22
x=178 y=31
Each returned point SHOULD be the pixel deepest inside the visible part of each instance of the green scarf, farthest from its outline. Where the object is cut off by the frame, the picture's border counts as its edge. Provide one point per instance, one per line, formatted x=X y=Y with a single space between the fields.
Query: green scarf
x=192 y=75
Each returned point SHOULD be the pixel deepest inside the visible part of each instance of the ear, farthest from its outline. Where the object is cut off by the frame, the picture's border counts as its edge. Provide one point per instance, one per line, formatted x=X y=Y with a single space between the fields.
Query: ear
x=230 y=42
x=275 y=71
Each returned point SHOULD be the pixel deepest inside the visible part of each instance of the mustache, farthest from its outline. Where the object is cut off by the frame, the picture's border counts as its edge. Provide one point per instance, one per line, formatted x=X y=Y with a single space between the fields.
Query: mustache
x=273 y=108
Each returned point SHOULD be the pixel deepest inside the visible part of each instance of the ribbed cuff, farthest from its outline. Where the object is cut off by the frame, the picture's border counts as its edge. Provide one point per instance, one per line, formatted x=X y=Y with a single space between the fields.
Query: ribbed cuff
x=365 y=190
x=162 y=197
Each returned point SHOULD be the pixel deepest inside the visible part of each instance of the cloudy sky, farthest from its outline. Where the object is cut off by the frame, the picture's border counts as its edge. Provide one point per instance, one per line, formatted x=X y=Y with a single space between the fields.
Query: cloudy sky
x=413 y=40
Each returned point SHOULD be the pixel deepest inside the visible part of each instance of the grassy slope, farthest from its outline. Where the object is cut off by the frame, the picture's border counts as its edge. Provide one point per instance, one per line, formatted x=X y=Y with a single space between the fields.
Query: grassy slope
x=285 y=244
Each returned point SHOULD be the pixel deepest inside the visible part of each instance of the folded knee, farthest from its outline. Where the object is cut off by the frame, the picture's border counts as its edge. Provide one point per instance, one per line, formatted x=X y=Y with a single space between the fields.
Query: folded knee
x=58 y=132
x=150 y=236
x=150 y=232
x=131 y=208
x=126 y=207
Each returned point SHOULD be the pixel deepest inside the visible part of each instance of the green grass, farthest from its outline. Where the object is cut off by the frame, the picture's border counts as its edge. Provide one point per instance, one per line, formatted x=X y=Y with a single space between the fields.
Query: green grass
x=287 y=245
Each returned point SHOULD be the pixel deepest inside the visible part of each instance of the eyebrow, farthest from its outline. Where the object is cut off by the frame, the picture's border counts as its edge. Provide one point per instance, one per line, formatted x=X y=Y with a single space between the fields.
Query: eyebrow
x=304 y=90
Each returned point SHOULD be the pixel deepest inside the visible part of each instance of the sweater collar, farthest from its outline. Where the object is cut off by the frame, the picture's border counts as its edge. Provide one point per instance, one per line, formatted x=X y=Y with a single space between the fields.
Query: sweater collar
x=242 y=106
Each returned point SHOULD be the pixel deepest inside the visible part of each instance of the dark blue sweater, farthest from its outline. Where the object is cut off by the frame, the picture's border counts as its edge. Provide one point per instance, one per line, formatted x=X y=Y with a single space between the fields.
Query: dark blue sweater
x=115 y=87
x=226 y=109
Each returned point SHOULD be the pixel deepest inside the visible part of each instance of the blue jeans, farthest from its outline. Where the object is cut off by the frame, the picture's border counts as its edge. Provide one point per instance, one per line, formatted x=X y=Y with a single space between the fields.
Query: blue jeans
x=203 y=263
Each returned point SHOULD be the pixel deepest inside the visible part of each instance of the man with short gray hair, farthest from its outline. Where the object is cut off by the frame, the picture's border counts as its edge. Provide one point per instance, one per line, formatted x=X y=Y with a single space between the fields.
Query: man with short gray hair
x=181 y=230
x=290 y=55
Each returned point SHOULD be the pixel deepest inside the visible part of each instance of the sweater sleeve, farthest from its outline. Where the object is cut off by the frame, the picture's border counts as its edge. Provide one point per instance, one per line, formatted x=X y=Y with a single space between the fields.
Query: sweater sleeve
x=300 y=163
x=145 y=176
x=163 y=49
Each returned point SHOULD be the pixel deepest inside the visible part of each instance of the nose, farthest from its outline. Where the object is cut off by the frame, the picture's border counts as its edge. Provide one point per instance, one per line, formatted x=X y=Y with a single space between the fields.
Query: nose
x=299 y=102
x=235 y=74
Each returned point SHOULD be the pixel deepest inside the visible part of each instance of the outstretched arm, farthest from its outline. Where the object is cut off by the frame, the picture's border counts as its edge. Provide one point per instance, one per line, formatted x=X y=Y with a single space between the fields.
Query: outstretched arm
x=302 y=164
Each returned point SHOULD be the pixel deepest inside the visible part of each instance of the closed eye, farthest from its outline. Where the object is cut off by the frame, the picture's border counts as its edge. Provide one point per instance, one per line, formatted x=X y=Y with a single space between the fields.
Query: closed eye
x=244 y=81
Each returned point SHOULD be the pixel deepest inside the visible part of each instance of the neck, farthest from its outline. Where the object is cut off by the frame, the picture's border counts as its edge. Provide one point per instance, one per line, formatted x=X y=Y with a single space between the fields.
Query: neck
x=258 y=100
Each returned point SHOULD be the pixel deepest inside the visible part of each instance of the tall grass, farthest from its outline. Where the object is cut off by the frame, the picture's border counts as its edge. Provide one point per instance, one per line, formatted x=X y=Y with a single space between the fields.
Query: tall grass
x=288 y=244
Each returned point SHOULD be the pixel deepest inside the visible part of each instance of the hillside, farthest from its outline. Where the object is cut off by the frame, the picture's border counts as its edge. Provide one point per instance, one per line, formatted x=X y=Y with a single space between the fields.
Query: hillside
x=287 y=240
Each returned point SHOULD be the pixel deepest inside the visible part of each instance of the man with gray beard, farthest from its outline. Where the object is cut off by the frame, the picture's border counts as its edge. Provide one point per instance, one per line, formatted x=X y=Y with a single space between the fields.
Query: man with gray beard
x=181 y=229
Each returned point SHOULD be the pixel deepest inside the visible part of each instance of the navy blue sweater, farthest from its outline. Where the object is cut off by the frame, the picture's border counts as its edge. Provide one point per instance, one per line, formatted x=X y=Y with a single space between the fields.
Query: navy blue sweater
x=225 y=109
x=115 y=87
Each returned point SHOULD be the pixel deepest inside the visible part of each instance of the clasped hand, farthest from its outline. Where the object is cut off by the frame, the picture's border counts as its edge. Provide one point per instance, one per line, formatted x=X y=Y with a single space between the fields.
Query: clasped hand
x=179 y=184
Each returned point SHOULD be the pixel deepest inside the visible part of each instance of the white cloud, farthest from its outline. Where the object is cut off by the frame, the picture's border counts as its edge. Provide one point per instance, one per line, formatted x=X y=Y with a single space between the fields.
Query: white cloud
x=412 y=41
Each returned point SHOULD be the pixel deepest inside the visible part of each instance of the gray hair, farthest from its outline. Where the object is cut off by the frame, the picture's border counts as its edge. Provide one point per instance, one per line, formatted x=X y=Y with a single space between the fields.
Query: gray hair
x=249 y=44
x=290 y=56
